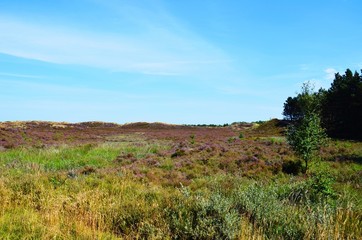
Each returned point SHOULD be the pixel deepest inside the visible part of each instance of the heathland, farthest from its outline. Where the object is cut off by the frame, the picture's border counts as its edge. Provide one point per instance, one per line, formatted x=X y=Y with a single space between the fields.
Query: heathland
x=98 y=180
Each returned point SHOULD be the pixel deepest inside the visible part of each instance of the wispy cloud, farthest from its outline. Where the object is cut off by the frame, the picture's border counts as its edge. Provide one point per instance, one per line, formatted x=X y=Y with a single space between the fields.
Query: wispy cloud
x=6 y=74
x=159 y=45
x=324 y=79
x=62 y=90
x=330 y=72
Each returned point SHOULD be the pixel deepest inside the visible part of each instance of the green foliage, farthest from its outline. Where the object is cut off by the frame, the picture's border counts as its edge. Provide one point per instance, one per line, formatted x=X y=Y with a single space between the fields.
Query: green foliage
x=241 y=135
x=306 y=102
x=297 y=209
x=340 y=106
x=265 y=208
x=318 y=189
x=307 y=137
x=342 y=109
x=198 y=216
x=321 y=185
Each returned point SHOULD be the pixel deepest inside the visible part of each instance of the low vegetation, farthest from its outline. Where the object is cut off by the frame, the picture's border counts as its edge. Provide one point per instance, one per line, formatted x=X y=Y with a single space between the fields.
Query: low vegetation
x=179 y=183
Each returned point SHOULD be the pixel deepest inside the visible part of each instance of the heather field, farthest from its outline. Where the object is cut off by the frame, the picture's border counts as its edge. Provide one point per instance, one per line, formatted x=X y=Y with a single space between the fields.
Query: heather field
x=156 y=181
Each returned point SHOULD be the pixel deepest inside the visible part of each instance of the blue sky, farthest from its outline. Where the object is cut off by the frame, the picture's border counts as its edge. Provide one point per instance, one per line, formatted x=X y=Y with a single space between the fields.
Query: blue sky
x=215 y=61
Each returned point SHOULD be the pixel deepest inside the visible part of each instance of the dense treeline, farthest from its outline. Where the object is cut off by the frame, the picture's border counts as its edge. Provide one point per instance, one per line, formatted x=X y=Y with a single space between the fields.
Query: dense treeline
x=340 y=107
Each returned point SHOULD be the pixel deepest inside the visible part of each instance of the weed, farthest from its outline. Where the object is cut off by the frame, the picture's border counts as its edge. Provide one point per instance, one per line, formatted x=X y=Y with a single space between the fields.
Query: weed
x=231 y=140
x=192 y=139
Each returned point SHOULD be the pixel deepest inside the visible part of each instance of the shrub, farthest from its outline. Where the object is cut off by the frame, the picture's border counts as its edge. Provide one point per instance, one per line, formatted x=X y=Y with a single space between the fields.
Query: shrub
x=315 y=190
x=264 y=208
x=201 y=216
x=321 y=187
x=231 y=140
x=241 y=135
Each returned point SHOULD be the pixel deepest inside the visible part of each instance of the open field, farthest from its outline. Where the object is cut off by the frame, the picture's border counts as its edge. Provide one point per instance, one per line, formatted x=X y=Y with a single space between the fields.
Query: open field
x=156 y=181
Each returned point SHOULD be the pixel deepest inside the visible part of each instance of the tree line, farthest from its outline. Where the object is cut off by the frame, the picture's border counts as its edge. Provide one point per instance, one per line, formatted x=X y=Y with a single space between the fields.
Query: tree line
x=339 y=107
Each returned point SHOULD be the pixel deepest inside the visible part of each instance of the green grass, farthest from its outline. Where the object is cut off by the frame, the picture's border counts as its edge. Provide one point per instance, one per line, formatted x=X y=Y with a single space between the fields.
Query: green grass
x=70 y=157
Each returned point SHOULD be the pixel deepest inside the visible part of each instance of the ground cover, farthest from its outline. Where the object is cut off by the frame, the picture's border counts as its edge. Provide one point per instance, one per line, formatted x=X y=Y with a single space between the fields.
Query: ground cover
x=154 y=181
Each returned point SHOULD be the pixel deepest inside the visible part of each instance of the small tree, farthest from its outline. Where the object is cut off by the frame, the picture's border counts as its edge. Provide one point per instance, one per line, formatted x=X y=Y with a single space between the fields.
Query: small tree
x=306 y=136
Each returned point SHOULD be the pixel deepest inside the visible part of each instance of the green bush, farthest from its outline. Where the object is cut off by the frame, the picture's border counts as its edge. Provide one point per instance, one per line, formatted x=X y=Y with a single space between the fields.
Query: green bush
x=321 y=186
x=277 y=219
x=202 y=216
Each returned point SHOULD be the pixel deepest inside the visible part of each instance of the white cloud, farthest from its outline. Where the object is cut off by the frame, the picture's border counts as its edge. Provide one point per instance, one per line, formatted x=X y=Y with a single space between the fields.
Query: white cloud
x=322 y=81
x=330 y=72
x=154 y=49
x=6 y=74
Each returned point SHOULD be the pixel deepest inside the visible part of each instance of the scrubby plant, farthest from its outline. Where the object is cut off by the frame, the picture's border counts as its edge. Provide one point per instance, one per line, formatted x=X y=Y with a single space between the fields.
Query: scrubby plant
x=192 y=139
x=231 y=140
x=321 y=186
x=262 y=205
x=202 y=216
